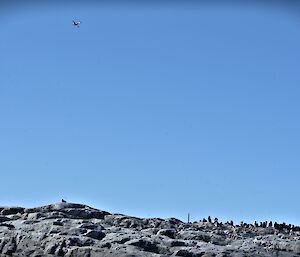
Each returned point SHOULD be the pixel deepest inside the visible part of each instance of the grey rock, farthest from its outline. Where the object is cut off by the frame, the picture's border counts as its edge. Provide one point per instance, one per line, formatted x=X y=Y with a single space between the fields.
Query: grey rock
x=73 y=230
x=167 y=232
x=296 y=248
x=95 y=234
x=12 y=210
x=146 y=244
x=4 y=218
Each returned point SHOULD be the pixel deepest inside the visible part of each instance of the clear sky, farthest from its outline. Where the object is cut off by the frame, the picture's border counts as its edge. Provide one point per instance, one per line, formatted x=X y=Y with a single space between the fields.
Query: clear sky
x=152 y=110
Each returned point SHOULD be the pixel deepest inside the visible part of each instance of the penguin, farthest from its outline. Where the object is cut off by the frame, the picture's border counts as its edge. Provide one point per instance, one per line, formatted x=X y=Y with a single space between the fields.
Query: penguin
x=63 y=201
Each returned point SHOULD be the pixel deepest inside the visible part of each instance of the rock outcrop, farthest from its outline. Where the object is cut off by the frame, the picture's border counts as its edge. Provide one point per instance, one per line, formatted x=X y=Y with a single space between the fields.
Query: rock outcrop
x=76 y=230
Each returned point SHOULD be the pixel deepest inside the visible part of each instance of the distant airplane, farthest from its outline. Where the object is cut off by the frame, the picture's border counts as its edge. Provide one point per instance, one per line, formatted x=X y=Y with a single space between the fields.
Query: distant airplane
x=76 y=23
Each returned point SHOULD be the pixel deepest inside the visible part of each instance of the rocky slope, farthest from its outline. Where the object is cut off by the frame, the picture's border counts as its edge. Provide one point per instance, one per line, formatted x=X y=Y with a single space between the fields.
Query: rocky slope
x=71 y=230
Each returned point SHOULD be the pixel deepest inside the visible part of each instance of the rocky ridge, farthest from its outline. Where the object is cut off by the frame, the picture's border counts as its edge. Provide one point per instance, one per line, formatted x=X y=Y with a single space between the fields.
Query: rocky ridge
x=73 y=230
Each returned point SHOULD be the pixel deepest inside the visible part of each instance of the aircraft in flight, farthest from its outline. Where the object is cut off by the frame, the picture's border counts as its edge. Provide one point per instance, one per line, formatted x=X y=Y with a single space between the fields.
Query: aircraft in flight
x=76 y=23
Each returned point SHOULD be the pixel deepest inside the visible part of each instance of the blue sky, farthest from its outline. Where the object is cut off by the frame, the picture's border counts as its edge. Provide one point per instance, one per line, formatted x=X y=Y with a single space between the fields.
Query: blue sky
x=152 y=110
